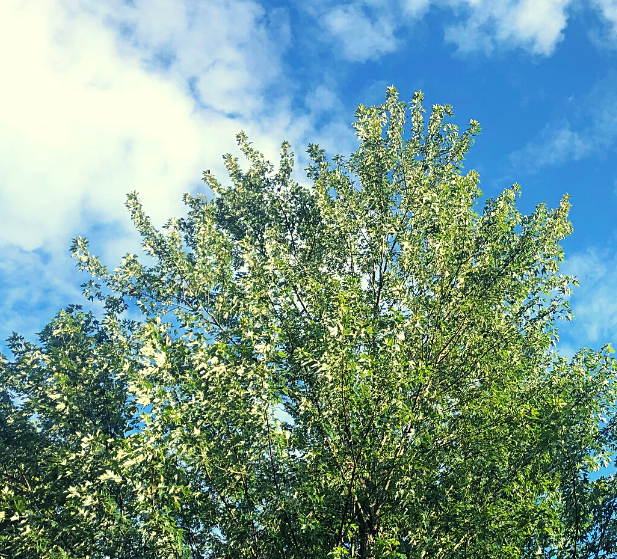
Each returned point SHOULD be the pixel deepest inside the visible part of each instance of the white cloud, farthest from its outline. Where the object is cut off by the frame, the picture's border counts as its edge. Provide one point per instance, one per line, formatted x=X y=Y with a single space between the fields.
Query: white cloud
x=594 y=302
x=231 y=49
x=415 y=8
x=35 y=285
x=83 y=122
x=367 y=29
x=322 y=99
x=559 y=142
x=539 y=24
x=363 y=35
x=535 y=25
x=556 y=145
x=96 y=102
x=608 y=10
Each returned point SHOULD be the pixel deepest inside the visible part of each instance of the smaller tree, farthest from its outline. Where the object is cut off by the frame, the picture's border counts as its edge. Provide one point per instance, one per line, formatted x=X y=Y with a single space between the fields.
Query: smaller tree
x=65 y=416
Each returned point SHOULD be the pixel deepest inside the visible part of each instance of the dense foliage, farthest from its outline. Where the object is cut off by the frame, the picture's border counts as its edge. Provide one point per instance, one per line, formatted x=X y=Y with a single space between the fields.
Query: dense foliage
x=363 y=367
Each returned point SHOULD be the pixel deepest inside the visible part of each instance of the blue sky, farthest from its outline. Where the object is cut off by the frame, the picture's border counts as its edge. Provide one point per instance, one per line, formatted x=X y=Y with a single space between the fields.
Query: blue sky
x=102 y=98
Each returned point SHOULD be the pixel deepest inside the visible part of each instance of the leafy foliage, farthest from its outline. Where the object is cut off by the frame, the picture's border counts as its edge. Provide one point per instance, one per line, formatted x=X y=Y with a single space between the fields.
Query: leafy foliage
x=359 y=368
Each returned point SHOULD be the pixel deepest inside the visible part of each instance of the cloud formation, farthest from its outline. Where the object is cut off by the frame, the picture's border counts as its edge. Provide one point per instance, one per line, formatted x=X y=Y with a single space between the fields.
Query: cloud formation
x=89 y=115
x=556 y=144
x=29 y=300
x=593 y=303
x=608 y=11
x=108 y=97
x=561 y=141
x=230 y=51
x=363 y=33
x=534 y=25
x=367 y=30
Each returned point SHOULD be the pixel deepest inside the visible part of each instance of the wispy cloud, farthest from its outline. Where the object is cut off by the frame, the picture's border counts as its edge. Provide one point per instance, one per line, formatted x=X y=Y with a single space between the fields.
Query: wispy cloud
x=556 y=144
x=365 y=33
x=229 y=50
x=367 y=30
x=34 y=286
x=594 y=302
x=608 y=11
x=102 y=98
x=534 y=25
x=561 y=141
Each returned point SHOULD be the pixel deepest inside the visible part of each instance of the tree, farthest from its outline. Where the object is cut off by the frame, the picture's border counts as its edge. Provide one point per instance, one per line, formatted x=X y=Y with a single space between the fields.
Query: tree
x=363 y=367
x=60 y=447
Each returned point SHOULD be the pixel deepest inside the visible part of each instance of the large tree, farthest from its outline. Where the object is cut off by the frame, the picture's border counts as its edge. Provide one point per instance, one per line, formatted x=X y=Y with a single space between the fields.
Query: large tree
x=362 y=367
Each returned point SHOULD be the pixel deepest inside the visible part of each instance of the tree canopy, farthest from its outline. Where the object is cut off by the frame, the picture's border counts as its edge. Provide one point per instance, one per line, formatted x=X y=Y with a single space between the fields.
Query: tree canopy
x=364 y=366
